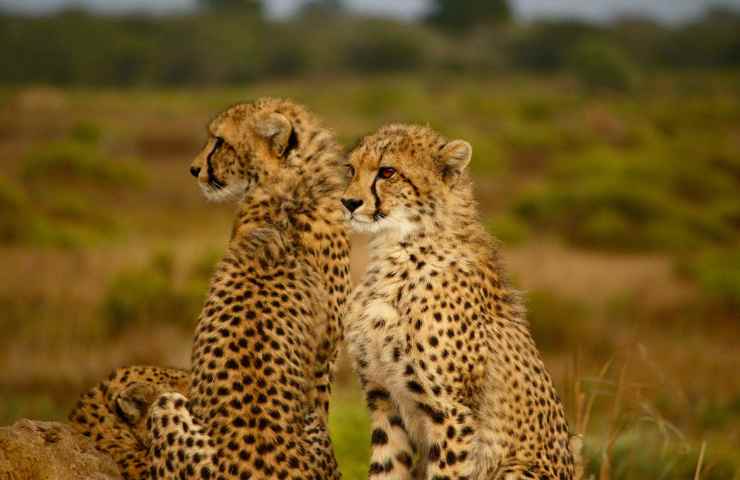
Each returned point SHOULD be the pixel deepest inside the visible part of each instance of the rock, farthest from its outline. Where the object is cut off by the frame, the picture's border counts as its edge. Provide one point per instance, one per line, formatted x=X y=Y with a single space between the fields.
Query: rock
x=34 y=450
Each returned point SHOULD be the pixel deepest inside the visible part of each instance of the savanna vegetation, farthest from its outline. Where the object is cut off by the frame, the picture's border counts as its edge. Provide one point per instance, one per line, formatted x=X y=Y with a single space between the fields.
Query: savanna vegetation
x=611 y=176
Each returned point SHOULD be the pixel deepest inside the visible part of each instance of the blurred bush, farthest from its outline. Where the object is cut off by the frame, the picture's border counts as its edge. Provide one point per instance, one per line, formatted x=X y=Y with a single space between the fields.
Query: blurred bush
x=600 y=65
x=546 y=46
x=13 y=213
x=609 y=199
x=151 y=295
x=717 y=273
x=236 y=43
x=69 y=223
x=509 y=229
x=558 y=324
x=383 y=49
x=80 y=160
x=64 y=178
x=460 y=15
x=86 y=132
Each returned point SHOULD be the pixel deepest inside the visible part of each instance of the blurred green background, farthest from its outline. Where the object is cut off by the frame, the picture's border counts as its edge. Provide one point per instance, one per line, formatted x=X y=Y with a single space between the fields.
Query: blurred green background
x=607 y=160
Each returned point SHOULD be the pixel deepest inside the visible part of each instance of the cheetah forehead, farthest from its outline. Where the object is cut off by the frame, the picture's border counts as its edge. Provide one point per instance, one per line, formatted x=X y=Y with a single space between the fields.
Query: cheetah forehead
x=406 y=143
x=239 y=113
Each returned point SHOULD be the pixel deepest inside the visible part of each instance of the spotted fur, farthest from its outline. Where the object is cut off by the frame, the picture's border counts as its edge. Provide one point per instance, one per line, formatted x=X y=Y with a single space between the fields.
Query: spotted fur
x=258 y=396
x=113 y=413
x=439 y=339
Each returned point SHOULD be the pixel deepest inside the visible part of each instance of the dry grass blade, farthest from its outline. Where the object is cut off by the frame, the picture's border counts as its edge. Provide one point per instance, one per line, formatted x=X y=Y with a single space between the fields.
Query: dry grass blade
x=697 y=474
x=614 y=429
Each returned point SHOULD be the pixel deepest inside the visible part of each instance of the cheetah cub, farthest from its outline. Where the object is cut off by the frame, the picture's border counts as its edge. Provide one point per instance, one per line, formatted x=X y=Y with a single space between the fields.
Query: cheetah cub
x=255 y=403
x=453 y=381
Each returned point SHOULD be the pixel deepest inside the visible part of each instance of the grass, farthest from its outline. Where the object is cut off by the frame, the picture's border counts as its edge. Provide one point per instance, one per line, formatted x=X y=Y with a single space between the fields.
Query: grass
x=594 y=195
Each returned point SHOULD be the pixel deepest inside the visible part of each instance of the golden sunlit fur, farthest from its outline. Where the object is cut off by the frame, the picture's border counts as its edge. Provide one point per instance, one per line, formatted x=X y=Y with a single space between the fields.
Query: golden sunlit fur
x=258 y=396
x=438 y=337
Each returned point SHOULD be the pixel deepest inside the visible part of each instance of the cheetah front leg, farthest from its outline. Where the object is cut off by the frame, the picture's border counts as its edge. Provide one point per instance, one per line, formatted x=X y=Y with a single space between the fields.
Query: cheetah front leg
x=392 y=451
x=179 y=447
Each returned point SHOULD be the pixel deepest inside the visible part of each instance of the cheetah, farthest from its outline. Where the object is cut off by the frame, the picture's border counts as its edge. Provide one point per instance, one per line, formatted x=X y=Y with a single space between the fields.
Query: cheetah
x=266 y=341
x=453 y=381
x=269 y=331
x=113 y=413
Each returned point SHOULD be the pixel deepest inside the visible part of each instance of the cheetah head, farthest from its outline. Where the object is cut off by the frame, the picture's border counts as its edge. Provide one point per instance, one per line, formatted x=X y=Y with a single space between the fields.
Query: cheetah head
x=132 y=404
x=246 y=143
x=402 y=177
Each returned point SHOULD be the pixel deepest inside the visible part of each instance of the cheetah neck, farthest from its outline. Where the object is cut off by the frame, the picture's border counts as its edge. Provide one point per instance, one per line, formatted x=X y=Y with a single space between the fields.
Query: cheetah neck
x=284 y=209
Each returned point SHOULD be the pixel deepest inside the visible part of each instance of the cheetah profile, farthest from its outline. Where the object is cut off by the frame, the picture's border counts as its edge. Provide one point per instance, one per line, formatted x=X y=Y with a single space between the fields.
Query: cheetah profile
x=438 y=338
x=258 y=394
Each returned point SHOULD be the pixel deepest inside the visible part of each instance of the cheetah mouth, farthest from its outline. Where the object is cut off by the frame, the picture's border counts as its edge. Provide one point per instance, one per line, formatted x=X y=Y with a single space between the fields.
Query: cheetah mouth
x=214 y=183
x=368 y=225
x=366 y=219
x=353 y=218
x=221 y=191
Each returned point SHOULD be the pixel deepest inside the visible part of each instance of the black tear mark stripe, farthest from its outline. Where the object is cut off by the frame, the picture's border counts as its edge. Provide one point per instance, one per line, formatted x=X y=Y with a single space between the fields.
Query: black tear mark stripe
x=377 y=214
x=209 y=164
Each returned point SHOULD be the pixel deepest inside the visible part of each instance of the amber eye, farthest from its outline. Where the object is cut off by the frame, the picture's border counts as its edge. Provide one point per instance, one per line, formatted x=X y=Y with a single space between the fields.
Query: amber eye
x=386 y=172
x=350 y=171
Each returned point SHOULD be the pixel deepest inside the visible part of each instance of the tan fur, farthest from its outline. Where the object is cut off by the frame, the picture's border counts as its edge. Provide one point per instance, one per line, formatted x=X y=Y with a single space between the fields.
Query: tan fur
x=257 y=403
x=439 y=339
x=113 y=413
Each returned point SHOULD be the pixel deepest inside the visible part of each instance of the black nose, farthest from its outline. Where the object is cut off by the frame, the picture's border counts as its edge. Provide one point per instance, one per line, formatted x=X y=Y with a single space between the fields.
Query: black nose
x=351 y=204
x=194 y=171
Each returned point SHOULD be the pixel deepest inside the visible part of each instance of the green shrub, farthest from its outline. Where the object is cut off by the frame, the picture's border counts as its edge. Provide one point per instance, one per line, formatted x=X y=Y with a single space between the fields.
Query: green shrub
x=149 y=295
x=69 y=221
x=508 y=229
x=614 y=214
x=557 y=323
x=383 y=49
x=605 y=198
x=76 y=160
x=14 y=213
x=601 y=65
x=544 y=46
x=85 y=132
x=717 y=273
x=715 y=414
x=205 y=265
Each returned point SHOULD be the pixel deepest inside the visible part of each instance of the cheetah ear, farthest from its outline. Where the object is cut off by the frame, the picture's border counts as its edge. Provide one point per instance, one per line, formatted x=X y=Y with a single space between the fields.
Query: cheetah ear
x=277 y=129
x=454 y=157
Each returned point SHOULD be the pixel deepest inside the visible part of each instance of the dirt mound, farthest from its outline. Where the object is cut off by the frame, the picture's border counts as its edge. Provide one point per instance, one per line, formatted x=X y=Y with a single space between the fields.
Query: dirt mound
x=33 y=450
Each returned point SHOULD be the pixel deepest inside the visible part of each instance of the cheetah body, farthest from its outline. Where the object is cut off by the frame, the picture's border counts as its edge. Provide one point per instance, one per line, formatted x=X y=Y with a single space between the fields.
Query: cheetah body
x=256 y=404
x=268 y=333
x=439 y=339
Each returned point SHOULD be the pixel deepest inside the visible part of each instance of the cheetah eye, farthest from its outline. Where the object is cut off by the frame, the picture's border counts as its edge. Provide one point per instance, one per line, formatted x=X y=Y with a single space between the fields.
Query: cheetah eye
x=351 y=171
x=386 y=172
